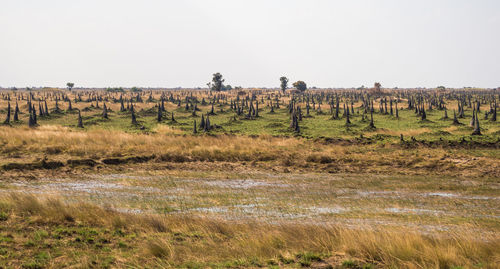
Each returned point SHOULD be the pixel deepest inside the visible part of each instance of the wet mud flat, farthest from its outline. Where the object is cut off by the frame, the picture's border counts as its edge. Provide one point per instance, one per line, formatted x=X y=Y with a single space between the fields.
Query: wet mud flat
x=426 y=203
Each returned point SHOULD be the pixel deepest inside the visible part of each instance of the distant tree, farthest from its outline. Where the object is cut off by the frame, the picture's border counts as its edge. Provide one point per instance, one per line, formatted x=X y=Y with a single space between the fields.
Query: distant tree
x=377 y=86
x=300 y=85
x=217 y=82
x=284 y=84
x=120 y=89
x=70 y=85
x=135 y=89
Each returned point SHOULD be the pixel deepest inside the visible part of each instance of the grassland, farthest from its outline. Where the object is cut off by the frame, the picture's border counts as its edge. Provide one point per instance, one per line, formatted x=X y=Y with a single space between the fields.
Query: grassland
x=48 y=233
x=250 y=192
x=319 y=123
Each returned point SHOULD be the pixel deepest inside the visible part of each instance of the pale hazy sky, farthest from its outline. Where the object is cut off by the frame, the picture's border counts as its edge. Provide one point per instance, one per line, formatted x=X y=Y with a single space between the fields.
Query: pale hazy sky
x=327 y=43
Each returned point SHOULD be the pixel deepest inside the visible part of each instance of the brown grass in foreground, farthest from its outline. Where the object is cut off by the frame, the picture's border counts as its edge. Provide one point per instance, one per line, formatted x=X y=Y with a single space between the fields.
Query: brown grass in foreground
x=59 y=143
x=84 y=235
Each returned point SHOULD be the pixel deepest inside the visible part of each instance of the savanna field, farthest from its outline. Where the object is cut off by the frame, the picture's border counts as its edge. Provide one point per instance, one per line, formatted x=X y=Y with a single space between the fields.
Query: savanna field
x=247 y=178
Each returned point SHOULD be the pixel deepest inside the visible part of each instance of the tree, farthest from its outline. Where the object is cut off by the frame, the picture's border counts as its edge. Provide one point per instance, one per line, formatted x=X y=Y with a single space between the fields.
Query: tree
x=300 y=85
x=135 y=89
x=70 y=85
x=216 y=84
x=284 y=84
x=377 y=86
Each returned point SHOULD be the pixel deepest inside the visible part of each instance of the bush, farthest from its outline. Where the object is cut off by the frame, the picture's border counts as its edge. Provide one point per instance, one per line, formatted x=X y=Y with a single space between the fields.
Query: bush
x=4 y=216
x=318 y=158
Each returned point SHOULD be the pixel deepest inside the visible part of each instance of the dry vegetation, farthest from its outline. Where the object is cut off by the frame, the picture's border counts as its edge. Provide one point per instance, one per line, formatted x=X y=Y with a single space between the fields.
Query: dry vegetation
x=82 y=235
x=61 y=144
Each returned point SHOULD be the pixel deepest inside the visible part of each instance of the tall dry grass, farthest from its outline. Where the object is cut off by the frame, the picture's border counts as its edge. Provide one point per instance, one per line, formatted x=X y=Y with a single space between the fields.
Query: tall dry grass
x=56 y=142
x=212 y=240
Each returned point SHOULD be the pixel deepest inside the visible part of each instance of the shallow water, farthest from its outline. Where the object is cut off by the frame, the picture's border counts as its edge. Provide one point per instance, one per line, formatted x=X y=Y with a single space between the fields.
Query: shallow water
x=297 y=198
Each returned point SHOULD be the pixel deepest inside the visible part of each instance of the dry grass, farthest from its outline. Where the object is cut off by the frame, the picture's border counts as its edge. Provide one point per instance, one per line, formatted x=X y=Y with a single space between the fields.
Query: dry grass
x=61 y=143
x=164 y=241
x=118 y=143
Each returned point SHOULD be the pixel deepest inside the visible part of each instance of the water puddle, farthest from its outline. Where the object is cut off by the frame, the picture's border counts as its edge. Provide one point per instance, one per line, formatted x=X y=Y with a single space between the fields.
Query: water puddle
x=243 y=184
x=273 y=198
x=418 y=211
x=80 y=186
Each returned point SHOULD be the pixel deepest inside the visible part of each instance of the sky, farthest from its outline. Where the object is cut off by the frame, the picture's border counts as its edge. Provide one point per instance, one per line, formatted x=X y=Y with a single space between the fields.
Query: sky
x=181 y=43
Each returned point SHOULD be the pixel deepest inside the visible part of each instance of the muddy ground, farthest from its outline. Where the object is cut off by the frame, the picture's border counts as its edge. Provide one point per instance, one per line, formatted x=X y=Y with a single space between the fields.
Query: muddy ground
x=239 y=193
